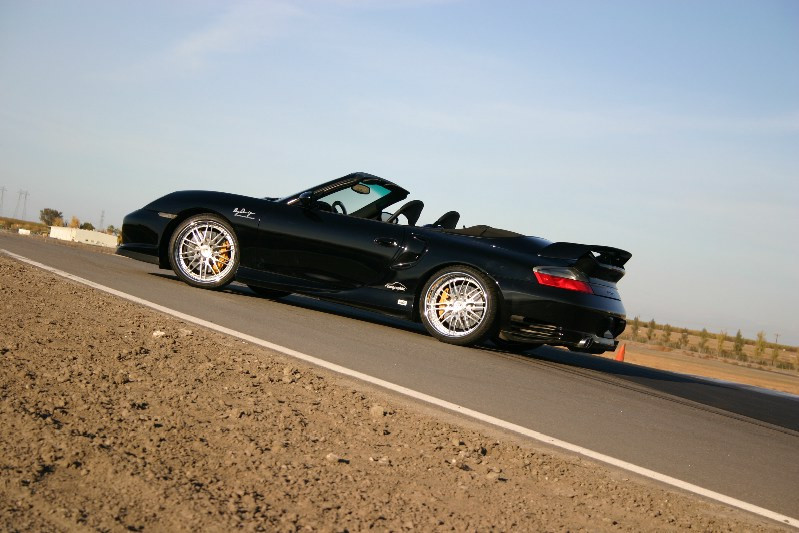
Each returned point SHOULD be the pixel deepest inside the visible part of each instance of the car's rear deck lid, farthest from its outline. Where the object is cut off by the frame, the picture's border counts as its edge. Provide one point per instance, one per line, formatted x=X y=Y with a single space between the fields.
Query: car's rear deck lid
x=601 y=262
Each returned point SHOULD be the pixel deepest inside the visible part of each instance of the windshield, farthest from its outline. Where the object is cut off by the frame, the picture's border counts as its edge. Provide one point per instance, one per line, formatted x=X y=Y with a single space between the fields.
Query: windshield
x=356 y=197
x=358 y=194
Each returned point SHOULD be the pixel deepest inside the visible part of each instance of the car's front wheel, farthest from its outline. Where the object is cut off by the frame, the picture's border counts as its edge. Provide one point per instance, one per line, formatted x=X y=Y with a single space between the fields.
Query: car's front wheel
x=204 y=251
x=459 y=305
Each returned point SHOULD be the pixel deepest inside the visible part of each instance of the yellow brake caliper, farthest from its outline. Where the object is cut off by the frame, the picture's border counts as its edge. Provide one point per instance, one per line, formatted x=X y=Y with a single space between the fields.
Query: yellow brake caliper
x=444 y=298
x=224 y=257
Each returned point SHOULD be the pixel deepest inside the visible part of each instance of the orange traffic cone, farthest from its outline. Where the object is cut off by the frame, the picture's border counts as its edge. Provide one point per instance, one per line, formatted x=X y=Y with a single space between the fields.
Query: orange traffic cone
x=620 y=355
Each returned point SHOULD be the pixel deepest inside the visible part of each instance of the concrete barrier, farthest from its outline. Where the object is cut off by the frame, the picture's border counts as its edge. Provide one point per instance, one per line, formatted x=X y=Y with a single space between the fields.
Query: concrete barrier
x=23 y=231
x=83 y=235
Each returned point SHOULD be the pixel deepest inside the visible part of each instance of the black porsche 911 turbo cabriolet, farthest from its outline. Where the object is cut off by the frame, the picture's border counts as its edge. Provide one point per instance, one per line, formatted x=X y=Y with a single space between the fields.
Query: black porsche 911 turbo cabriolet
x=345 y=241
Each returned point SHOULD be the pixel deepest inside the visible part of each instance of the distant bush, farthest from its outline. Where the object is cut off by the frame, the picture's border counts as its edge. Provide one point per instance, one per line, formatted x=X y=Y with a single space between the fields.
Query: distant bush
x=683 y=341
x=760 y=345
x=634 y=326
x=650 y=329
x=721 y=338
x=48 y=216
x=666 y=336
x=738 y=346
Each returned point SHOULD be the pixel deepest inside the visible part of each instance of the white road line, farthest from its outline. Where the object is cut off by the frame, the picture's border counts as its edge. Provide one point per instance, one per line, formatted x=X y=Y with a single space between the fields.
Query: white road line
x=429 y=399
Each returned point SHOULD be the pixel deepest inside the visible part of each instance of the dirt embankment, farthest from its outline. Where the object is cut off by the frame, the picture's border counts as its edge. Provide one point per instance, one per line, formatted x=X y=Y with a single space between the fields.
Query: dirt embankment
x=117 y=418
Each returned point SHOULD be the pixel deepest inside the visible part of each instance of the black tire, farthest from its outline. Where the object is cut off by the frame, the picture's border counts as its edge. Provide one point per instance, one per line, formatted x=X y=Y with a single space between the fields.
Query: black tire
x=268 y=293
x=204 y=251
x=468 y=316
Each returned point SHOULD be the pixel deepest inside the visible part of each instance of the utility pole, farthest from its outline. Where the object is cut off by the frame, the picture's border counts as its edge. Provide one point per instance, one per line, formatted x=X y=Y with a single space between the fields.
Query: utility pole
x=2 y=196
x=102 y=221
x=22 y=195
x=25 y=206
x=19 y=199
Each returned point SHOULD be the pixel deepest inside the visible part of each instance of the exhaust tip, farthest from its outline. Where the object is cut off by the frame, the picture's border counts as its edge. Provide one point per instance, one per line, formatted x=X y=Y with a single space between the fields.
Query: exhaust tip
x=585 y=343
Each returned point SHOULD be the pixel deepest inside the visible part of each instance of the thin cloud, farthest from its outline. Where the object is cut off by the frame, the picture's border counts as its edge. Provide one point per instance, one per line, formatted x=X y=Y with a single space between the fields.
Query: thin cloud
x=774 y=124
x=408 y=115
x=549 y=122
x=240 y=28
x=386 y=4
x=633 y=121
x=249 y=23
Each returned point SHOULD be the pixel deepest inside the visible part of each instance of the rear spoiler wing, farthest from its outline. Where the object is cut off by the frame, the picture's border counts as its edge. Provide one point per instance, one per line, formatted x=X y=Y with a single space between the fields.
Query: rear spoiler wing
x=597 y=261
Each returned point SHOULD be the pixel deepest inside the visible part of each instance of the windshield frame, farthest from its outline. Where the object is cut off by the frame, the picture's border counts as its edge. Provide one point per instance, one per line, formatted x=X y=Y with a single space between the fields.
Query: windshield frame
x=371 y=210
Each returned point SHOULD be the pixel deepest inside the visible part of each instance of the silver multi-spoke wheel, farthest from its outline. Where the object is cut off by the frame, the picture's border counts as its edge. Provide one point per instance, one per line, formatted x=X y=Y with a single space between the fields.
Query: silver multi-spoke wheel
x=204 y=251
x=458 y=306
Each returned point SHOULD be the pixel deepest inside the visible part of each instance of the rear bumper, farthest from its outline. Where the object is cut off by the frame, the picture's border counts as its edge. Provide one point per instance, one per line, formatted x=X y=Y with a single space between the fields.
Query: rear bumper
x=526 y=331
x=584 y=322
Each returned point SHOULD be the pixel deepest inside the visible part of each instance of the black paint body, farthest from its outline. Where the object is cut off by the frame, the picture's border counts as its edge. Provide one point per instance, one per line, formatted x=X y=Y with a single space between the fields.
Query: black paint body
x=289 y=245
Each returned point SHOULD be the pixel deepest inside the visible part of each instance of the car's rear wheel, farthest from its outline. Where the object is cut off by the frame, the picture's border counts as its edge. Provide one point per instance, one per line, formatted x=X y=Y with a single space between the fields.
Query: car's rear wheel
x=459 y=305
x=204 y=251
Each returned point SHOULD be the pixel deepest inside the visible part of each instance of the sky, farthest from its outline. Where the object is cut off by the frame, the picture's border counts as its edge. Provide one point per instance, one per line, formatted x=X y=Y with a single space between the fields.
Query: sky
x=666 y=128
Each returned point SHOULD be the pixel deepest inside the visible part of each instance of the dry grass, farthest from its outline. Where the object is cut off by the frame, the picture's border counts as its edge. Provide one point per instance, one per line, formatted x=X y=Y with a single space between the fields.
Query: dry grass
x=13 y=224
x=775 y=357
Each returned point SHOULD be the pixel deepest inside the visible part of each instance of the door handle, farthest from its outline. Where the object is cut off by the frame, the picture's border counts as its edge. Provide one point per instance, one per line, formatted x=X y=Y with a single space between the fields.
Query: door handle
x=388 y=242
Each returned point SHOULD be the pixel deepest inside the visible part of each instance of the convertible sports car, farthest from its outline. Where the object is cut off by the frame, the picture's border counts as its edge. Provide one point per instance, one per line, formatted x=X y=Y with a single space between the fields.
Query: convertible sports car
x=344 y=241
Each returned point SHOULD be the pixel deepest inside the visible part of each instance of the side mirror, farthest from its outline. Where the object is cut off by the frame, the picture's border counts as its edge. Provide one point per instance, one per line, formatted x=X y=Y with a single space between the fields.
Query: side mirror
x=306 y=199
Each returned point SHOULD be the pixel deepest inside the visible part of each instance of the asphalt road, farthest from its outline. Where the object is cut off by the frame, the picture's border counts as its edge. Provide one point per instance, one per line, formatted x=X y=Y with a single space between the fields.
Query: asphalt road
x=737 y=441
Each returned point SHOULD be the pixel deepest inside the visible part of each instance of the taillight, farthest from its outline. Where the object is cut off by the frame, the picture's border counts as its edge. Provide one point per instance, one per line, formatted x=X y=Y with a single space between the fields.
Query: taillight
x=563 y=278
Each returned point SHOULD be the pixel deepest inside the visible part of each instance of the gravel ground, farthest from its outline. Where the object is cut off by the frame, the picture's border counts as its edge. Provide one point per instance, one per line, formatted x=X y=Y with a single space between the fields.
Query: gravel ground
x=117 y=418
